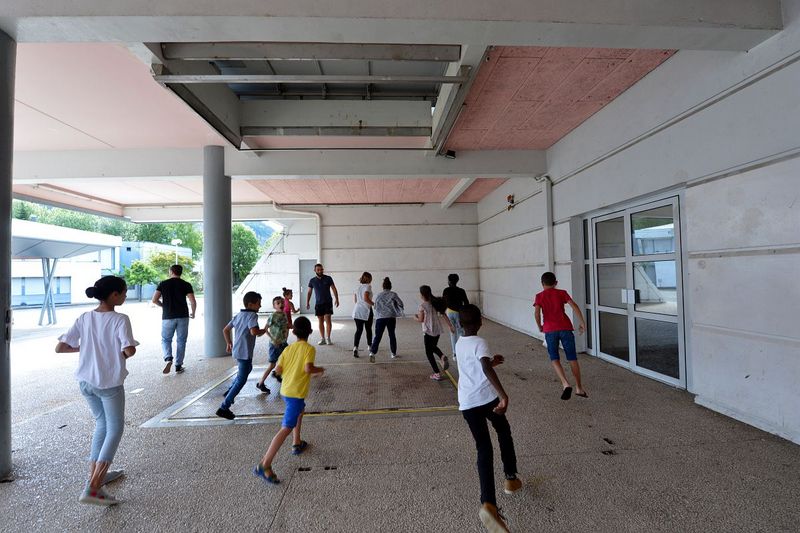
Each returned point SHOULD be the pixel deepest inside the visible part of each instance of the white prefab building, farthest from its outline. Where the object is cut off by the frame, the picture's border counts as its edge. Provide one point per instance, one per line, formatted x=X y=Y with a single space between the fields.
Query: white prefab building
x=648 y=157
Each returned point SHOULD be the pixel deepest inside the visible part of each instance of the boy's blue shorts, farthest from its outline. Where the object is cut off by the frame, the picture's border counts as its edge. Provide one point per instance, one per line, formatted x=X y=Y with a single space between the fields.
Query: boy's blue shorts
x=294 y=408
x=276 y=351
x=567 y=339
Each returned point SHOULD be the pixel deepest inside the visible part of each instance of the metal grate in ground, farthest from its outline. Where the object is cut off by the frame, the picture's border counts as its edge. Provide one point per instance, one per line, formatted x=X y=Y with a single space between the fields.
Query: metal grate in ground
x=391 y=388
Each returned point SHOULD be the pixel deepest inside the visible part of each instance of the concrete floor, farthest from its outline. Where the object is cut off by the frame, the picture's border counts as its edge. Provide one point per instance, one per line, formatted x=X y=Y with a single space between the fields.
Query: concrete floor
x=637 y=455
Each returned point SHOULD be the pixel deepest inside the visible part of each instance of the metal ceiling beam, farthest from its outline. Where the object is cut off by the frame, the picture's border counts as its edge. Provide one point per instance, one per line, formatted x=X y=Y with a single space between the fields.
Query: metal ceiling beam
x=281 y=51
x=284 y=78
x=350 y=131
x=349 y=114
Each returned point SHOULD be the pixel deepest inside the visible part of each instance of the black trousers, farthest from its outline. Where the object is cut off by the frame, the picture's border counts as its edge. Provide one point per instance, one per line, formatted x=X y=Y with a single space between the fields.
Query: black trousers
x=382 y=324
x=476 y=420
x=431 y=348
x=361 y=325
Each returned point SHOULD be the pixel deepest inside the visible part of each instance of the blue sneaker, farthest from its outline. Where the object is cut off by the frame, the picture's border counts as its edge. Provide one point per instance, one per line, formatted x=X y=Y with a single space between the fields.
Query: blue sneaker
x=267 y=475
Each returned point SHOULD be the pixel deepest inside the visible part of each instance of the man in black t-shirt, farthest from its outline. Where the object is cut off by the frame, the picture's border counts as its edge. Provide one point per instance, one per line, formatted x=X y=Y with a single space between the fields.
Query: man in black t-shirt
x=171 y=295
x=322 y=286
x=455 y=298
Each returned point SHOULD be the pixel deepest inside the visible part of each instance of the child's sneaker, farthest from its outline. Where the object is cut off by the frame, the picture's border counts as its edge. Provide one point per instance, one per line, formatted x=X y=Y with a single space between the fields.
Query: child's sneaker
x=372 y=358
x=355 y=353
x=297 y=449
x=97 y=497
x=225 y=413
x=491 y=519
x=112 y=475
x=263 y=388
x=512 y=485
x=394 y=356
x=445 y=363
x=436 y=377
x=266 y=474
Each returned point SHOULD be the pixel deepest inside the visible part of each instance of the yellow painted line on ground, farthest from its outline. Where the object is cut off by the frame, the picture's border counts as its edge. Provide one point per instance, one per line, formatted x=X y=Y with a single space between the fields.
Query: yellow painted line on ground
x=368 y=412
x=452 y=379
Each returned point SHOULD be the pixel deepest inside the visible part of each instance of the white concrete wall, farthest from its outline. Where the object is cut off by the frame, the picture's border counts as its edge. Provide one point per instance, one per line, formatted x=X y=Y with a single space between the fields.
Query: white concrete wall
x=81 y=271
x=412 y=244
x=720 y=129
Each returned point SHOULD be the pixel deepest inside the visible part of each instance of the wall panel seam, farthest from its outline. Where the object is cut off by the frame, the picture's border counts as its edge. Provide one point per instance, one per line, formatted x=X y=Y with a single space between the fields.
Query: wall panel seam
x=761 y=337
x=746 y=251
x=509 y=237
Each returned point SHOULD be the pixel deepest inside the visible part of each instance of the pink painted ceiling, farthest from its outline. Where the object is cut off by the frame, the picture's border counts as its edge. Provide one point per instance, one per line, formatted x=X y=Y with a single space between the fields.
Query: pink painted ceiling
x=73 y=96
x=530 y=97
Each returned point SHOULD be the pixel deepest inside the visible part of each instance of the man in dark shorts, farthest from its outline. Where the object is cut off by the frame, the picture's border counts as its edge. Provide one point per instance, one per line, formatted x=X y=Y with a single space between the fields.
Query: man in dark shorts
x=322 y=286
x=171 y=295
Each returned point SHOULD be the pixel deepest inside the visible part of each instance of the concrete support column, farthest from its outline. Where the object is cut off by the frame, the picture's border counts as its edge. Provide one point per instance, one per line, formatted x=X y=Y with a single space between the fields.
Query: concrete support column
x=8 y=54
x=216 y=249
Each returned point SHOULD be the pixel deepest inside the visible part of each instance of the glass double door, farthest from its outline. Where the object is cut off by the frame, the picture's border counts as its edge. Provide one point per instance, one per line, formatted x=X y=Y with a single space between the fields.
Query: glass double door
x=638 y=305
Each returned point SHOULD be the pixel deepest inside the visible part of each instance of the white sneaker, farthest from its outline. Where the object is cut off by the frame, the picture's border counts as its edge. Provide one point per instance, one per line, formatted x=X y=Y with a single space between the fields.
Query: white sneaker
x=322 y=343
x=395 y=356
x=372 y=358
x=330 y=341
x=98 y=497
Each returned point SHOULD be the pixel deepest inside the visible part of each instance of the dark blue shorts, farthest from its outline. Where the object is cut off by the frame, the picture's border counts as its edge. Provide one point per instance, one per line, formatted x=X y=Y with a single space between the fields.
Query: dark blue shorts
x=323 y=309
x=567 y=339
x=276 y=351
x=294 y=408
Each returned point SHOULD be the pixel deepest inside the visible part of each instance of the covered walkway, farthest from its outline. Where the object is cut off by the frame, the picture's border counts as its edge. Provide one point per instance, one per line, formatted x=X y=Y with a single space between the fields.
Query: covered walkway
x=637 y=455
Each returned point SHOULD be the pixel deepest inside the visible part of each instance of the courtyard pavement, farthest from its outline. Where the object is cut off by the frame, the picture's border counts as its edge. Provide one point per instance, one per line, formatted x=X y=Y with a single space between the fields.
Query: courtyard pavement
x=636 y=455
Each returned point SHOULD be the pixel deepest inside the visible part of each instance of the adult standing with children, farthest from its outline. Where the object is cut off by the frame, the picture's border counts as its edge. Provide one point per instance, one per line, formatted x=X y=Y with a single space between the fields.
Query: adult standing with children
x=362 y=311
x=455 y=298
x=171 y=295
x=322 y=285
x=105 y=341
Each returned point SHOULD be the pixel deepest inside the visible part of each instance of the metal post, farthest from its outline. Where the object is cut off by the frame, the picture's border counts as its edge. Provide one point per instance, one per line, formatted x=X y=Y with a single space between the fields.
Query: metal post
x=216 y=249
x=8 y=53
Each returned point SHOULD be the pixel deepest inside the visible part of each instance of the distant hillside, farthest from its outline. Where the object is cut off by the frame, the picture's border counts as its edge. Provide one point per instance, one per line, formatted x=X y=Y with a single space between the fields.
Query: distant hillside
x=262 y=231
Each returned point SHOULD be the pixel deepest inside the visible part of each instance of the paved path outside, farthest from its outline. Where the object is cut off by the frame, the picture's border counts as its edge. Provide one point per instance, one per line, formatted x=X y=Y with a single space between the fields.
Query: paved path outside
x=636 y=456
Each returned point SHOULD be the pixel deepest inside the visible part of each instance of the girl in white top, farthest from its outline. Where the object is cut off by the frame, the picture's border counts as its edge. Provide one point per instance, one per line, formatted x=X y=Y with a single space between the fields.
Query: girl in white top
x=362 y=311
x=430 y=314
x=105 y=340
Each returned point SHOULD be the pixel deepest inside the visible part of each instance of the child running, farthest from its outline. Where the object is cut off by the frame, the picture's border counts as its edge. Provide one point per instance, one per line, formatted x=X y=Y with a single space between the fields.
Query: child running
x=105 y=340
x=481 y=398
x=388 y=307
x=277 y=331
x=296 y=364
x=246 y=325
x=288 y=306
x=432 y=329
x=558 y=327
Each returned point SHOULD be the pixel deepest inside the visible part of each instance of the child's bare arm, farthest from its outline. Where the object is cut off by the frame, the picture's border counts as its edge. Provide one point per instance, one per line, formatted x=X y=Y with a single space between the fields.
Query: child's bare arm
x=420 y=317
x=128 y=351
x=310 y=368
x=491 y=375
x=577 y=310
x=226 y=334
x=63 y=347
x=257 y=332
x=537 y=314
x=445 y=320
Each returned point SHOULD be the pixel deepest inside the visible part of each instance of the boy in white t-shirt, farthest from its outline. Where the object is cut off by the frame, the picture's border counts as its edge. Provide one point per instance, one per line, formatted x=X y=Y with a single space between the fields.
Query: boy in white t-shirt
x=481 y=398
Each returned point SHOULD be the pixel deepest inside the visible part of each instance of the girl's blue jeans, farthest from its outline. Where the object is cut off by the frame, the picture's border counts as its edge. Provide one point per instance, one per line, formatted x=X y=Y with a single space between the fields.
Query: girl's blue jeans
x=108 y=409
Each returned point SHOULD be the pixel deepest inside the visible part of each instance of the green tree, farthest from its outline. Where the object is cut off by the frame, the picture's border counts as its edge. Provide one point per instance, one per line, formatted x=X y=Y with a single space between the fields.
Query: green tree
x=21 y=210
x=161 y=261
x=120 y=228
x=190 y=236
x=244 y=251
x=139 y=274
x=158 y=233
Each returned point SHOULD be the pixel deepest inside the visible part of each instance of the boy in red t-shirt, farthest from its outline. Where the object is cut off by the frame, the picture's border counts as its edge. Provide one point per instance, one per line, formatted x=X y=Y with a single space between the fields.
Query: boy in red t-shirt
x=557 y=327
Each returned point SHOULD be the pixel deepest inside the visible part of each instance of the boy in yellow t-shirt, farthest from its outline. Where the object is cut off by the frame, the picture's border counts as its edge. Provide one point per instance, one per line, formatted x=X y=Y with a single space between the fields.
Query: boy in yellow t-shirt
x=296 y=364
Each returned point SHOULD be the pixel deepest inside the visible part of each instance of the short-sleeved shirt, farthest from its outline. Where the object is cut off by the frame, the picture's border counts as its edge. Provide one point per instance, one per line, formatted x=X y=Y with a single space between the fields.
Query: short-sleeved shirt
x=287 y=310
x=361 y=309
x=278 y=325
x=293 y=369
x=244 y=342
x=430 y=325
x=388 y=305
x=322 y=288
x=173 y=298
x=101 y=337
x=474 y=388
x=552 y=302
x=455 y=298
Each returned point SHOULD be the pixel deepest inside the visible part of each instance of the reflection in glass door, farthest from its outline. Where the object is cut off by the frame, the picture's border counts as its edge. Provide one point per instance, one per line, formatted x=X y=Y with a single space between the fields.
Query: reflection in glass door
x=637 y=290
